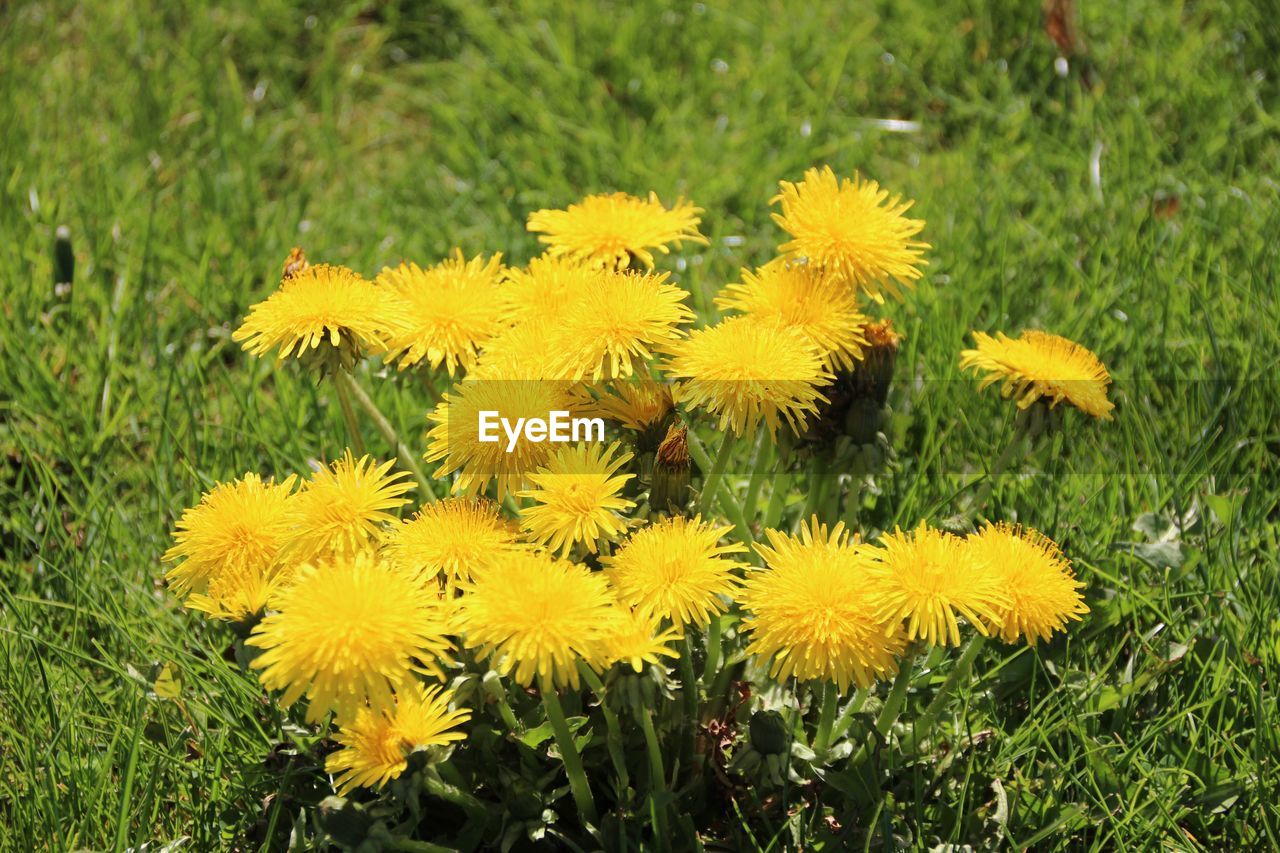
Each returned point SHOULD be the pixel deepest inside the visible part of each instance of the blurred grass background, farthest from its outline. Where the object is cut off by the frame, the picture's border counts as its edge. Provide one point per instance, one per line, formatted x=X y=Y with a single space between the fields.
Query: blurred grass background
x=1106 y=172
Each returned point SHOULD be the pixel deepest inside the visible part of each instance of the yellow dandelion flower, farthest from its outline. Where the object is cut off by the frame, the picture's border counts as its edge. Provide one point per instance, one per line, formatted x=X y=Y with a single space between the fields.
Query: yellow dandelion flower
x=744 y=372
x=347 y=633
x=852 y=229
x=239 y=528
x=812 y=612
x=316 y=305
x=802 y=297
x=546 y=288
x=610 y=230
x=1043 y=591
x=636 y=639
x=525 y=352
x=343 y=505
x=234 y=596
x=454 y=440
x=451 y=310
x=928 y=578
x=676 y=569
x=576 y=497
x=1038 y=365
x=531 y=615
x=376 y=745
x=618 y=322
x=451 y=537
x=638 y=405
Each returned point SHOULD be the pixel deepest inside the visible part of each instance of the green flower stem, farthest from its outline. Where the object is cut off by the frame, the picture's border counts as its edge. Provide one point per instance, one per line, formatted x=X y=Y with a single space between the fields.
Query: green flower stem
x=777 y=500
x=348 y=414
x=846 y=716
x=568 y=752
x=892 y=705
x=437 y=787
x=689 y=688
x=1021 y=426
x=347 y=384
x=508 y=715
x=897 y=695
x=925 y=723
x=613 y=741
x=657 y=774
x=714 y=629
x=711 y=480
x=826 y=718
x=714 y=480
x=817 y=488
x=764 y=457
x=852 y=505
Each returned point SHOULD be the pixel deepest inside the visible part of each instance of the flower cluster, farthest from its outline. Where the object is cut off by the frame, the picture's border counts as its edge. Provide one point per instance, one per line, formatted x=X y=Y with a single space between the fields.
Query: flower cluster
x=549 y=565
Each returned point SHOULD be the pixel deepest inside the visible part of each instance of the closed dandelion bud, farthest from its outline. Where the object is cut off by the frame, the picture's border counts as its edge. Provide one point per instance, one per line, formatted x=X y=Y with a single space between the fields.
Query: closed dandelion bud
x=864 y=420
x=768 y=731
x=671 y=472
x=871 y=376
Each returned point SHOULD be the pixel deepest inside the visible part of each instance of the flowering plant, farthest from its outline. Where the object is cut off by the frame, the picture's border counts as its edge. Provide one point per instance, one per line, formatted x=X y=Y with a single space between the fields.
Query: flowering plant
x=617 y=642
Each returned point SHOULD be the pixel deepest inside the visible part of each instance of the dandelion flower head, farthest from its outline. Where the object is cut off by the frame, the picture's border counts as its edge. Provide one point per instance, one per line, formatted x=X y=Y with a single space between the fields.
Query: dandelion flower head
x=320 y=305
x=852 y=229
x=611 y=229
x=533 y=616
x=1038 y=365
x=450 y=311
x=346 y=633
x=376 y=745
x=676 y=569
x=928 y=578
x=1043 y=592
x=577 y=497
x=744 y=372
x=812 y=612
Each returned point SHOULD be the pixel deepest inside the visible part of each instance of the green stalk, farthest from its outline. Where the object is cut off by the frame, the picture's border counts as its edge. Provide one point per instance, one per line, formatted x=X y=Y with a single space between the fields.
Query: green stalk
x=689 y=687
x=452 y=794
x=714 y=630
x=711 y=482
x=846 y=716
x=925 y=723
x=348 y=414
x=777 y=500
x=826 y=718
x=347 y=384
x=728 y=502
x=892 y=706
x=658 y=775
x=817 y=489
x=852 y=506
x=568 y=752
x=1021 y=427
x=613 y=741
x=764 y=456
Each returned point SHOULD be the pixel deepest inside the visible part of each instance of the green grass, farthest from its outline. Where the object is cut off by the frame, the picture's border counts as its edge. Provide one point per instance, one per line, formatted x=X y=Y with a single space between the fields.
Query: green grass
x=187 y=149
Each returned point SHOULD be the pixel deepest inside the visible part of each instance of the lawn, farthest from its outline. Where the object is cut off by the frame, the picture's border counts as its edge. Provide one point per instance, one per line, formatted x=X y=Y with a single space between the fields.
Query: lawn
x=1107 y=173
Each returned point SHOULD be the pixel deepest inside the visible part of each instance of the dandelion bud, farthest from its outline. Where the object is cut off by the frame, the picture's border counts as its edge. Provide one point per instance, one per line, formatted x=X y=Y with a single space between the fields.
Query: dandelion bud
x=871 y=377
x=768 y=732
x=671 y=472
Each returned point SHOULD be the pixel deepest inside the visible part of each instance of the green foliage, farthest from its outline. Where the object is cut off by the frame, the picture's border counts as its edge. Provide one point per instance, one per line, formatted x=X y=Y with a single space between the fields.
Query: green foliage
x=1129 y=203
